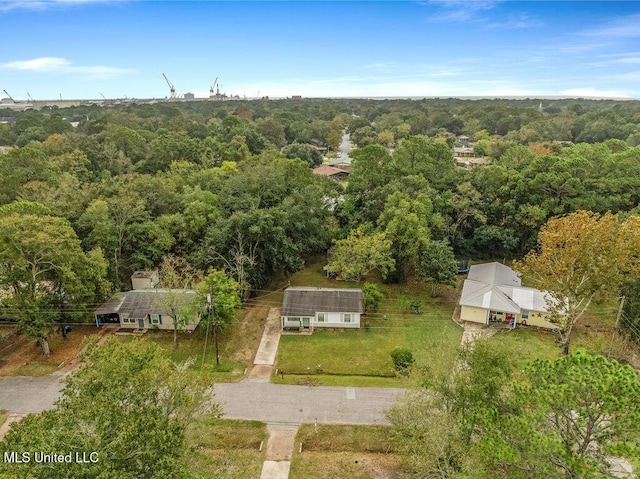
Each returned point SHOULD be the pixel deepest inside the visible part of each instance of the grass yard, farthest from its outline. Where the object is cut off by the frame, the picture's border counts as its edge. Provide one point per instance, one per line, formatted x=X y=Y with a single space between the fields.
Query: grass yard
x=524 y=345
x=237 y=345
x=226 y=449
x=362 y=357
x=357 y=452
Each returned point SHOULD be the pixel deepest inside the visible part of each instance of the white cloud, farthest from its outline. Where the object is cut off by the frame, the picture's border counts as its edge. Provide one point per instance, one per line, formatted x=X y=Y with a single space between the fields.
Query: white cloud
x=617 y=59
x=8 y=5
x=627 y=27
x=515 y=22
x=59 y=65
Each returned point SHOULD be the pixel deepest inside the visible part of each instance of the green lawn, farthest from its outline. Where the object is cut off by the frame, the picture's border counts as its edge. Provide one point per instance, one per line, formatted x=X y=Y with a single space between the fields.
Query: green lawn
x=236 y=345
x=362 y=357
x=524 y=345
x=226 y=449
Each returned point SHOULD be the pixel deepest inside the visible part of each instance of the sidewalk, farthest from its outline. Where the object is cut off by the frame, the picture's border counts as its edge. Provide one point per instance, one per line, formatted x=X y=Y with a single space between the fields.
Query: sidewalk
x=266 y=355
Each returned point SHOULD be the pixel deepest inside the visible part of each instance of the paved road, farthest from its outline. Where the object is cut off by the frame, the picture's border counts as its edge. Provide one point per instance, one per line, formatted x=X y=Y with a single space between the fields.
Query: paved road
x=345 y=146
x=22 y=395
x=304 y=404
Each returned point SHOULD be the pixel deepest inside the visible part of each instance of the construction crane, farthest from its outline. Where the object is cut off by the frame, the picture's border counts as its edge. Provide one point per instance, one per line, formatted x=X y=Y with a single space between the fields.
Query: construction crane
x=30 y=97
x=172 y=89
x=102 y=96
x=213 y=88
x=10 y=97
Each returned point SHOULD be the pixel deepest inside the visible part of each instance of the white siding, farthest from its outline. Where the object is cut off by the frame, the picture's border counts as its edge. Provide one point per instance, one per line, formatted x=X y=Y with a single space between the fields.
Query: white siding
x=335 y=320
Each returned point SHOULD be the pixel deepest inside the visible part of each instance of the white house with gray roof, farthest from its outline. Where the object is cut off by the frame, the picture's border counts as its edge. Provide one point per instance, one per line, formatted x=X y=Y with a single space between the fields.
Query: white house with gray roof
x=493 y=292
x=148 y=309
x=306 y=308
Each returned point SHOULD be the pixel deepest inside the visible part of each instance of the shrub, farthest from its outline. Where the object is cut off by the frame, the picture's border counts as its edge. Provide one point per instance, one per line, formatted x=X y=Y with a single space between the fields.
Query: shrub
x=402 y=359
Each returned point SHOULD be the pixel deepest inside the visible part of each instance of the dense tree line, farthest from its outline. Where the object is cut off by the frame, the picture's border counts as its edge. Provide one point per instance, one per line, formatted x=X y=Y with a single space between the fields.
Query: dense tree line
x=229 y=185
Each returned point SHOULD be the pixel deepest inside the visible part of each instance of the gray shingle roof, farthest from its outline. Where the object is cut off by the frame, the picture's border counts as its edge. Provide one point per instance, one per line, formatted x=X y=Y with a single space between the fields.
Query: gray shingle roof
x=497 y=287
x=494 y=273
x=307 y=301
x=140 y=303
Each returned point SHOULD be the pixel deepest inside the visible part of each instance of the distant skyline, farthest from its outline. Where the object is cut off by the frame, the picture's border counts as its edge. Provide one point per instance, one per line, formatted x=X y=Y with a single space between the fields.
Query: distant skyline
x=82 y=49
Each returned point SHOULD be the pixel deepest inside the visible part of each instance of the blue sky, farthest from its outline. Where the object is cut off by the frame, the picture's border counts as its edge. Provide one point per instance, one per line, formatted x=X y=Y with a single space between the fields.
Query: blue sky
x=120 y=48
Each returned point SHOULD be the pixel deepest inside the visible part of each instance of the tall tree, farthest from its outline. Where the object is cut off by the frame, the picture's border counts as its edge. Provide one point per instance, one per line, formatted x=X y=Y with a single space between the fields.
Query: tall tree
x=359 y=254
x=437 y=265
x=44 y=269
x=581 y=257
x=405 y=221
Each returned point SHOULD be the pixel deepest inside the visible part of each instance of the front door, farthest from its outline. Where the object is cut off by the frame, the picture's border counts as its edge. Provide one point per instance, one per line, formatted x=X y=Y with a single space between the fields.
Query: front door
x=141 y=324
x=305 y=322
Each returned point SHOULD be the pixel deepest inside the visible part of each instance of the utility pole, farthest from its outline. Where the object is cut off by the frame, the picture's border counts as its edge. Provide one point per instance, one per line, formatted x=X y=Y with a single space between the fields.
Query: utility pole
x=206 y=336
x=215 y=335
x=617 y=326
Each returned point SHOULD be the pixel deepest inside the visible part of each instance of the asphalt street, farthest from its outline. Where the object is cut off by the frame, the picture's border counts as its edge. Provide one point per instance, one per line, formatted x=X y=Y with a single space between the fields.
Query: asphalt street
x=22 y=395
x=280 y=403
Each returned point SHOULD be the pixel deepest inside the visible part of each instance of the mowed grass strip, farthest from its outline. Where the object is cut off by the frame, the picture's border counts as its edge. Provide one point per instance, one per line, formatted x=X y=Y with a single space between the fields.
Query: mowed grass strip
x=330 y=451
x=225 y=449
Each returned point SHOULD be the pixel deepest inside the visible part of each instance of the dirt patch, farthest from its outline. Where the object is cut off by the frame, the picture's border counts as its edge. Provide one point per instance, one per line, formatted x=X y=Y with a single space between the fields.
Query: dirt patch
x=22 y=356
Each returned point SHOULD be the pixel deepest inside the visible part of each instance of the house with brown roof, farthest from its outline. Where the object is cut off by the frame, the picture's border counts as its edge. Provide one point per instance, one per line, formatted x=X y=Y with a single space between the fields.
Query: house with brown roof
x=332 y=172
x=306 y=308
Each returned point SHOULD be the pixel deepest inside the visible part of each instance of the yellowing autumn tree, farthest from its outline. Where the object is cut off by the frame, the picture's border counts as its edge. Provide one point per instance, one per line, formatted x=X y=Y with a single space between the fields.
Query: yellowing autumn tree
x=581 y=257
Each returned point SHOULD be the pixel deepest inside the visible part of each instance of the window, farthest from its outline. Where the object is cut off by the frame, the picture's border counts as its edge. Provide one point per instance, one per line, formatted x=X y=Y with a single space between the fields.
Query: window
x=154 y=319
x=321 y=317
x=346 y=317
x=525 y=314
x=128 y=320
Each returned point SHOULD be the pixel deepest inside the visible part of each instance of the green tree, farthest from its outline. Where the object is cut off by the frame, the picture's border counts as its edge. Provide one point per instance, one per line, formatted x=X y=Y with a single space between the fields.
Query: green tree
x=177 y=275
x=371 y=297
x=581 y=257
x=405 y=221
x=141 y=434
x=359 y=254
x=303 y=152
x=437 y=265
x=44 y=269
x=223 y=293
x=219 y=296
x=435 y=429
x=22 y=166
x=566 y=416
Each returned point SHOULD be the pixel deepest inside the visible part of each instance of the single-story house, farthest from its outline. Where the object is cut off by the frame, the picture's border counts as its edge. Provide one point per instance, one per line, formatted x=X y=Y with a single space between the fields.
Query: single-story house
x=148 y=308
x=463 y=151
x=493 y=292
x=331 y=172
x=306 y=308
